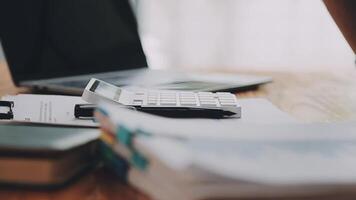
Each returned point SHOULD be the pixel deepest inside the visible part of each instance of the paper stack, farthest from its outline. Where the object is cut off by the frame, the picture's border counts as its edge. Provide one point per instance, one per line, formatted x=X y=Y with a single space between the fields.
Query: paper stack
x=265 y=154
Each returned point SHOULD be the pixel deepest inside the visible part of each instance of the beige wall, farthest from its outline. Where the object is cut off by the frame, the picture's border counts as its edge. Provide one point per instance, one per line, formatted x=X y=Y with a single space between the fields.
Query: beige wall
x=240 y=34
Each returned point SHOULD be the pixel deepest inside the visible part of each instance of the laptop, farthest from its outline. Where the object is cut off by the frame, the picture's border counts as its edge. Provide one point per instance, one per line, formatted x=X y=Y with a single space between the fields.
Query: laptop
x=141 y=76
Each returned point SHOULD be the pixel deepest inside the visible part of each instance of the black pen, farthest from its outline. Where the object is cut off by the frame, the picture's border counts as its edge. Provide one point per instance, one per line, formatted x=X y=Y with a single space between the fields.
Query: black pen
x=84 y=111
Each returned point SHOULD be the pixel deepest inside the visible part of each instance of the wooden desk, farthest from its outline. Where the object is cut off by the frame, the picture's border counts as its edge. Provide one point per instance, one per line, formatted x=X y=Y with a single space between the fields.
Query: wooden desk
x=310 y=97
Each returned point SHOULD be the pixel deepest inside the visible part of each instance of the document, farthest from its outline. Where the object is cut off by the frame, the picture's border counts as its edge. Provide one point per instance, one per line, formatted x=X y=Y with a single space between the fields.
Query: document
x=278 y=154
x=47 y=109
x=254 y=111
x=320 y=153
x=264 y=146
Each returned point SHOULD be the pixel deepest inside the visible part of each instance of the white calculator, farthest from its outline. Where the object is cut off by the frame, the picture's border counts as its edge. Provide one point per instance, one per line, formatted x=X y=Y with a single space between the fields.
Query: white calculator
x=179 y=104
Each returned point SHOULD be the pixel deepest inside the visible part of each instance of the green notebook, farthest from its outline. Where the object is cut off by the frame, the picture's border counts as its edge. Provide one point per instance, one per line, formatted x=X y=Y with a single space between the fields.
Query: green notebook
x=45 y=156
x=44 y=137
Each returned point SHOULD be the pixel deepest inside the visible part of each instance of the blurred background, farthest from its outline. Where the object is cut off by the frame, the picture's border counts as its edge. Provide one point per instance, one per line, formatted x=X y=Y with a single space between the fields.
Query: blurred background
x=241 y=34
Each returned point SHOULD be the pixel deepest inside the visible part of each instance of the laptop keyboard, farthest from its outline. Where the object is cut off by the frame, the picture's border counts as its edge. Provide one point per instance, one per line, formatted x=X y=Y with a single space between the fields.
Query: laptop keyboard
x=76 y=84
x=83 y=83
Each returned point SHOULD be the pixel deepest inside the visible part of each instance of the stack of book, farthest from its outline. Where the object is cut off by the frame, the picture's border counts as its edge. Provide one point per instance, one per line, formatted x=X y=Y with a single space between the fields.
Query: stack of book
x=228 y=159
x=45 y=156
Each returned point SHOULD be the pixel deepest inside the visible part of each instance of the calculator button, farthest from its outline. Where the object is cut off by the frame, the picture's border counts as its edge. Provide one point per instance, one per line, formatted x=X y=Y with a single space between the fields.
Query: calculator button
x=168 y=94
x=167 y=97
x=187 y=96
x=168 y=100
x=227 y=97
x=227 y=103
x=209 y=104
x=205 y=94
x=186 y=93
x=167 y=103
x=188 y=99
x=224 y=97
x=206 y=99
x=223 y=93
x=139 y=96
x=188 y=103
x=137 y=102
x=152 y=101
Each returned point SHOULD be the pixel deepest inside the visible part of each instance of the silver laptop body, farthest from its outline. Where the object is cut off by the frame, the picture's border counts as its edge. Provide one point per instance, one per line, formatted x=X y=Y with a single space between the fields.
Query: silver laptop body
x=145 y=77
x=158 y=79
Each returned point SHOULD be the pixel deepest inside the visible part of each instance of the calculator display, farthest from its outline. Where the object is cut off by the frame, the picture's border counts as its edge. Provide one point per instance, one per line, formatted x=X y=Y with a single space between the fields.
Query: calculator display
x=106 y=90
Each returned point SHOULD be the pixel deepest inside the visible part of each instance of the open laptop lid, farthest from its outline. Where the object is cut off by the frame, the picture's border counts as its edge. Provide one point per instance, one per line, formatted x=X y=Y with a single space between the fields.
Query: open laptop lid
x=2 y=54
x=41 y=43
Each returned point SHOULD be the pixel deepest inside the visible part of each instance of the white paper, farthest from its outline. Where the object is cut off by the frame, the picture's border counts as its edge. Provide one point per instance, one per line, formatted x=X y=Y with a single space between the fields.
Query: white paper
x=49 y=109
x=264 y=146
x=306 y=161
x=257 y=111
x=321 y=153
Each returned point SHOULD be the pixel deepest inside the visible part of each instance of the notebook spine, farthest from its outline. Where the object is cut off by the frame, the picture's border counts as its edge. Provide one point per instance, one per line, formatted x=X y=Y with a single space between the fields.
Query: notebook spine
x=113 y=161
x=120 y=136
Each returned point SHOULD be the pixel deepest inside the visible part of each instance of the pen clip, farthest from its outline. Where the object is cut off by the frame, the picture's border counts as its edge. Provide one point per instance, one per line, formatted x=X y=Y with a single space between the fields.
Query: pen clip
x=84 y=111
x=9 y=114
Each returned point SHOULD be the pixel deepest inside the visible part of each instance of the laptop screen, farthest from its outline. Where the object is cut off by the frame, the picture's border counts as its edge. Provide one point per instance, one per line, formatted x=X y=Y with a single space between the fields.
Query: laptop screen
x=40 y=42
x=2 y=55
x=55 y=70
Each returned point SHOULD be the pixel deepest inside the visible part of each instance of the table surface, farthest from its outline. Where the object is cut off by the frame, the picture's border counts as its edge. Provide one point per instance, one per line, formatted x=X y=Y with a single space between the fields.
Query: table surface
x=309 y=97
